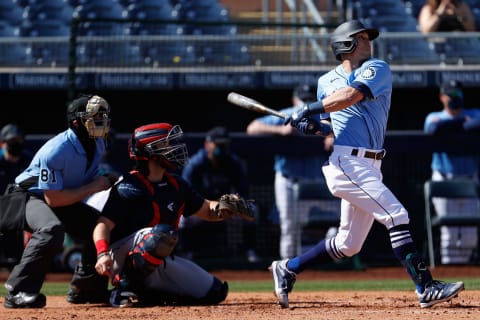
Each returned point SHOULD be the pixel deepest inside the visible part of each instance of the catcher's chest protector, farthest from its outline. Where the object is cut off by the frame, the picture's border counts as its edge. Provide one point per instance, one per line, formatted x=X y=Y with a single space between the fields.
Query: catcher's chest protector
x=156 y=208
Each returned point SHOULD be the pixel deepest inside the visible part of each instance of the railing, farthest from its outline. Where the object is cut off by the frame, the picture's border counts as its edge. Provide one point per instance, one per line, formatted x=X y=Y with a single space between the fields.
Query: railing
x=246 y=55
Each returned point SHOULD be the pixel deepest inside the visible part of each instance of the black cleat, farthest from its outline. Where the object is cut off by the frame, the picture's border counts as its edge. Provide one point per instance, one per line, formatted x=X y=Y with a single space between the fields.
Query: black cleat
x=25 y=300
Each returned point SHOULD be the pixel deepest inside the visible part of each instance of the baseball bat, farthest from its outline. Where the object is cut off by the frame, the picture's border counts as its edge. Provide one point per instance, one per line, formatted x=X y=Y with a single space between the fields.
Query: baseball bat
x=253 y=105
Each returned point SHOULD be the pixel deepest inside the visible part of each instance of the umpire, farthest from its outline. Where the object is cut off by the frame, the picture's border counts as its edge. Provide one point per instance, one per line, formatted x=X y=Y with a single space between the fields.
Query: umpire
x=62 y=173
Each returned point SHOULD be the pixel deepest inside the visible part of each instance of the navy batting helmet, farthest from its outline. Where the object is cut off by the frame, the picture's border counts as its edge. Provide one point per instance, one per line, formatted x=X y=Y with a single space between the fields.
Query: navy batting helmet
x=161 y=142
x=342 y=40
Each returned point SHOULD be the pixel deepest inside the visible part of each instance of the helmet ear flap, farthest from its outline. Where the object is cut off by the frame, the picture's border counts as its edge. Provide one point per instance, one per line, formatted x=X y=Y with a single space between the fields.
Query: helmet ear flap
x=134 y=151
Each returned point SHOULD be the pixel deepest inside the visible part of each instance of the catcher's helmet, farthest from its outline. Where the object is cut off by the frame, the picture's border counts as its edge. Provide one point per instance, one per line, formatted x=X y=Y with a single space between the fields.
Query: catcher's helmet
x=342 y=40
x=161 y=142
x=93 y=113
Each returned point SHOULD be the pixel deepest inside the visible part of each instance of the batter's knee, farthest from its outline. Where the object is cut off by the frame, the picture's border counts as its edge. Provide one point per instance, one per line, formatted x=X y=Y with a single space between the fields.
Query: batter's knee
x=348 y=249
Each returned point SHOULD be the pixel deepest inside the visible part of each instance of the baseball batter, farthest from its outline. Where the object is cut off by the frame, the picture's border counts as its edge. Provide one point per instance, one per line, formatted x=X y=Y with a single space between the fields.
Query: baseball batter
x=153 y=196
x=357 y=96
x=289 y=171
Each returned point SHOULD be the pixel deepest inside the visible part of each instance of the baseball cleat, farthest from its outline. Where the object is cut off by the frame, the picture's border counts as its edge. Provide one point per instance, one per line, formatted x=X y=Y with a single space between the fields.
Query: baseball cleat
x=439 y=291
x=284 y=280
x=25 y=300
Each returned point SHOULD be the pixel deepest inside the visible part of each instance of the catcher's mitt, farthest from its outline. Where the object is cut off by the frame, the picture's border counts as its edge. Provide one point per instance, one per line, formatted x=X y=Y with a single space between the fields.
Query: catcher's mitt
x=230 y=205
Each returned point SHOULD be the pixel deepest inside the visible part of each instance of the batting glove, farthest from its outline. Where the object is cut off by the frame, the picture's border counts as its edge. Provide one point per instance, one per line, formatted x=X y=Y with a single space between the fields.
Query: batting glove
x=298 y=116
x=312 y=126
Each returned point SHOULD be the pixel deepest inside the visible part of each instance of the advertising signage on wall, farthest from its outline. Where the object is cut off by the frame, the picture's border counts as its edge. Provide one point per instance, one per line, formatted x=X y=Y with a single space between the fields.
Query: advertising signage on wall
x=213 y=81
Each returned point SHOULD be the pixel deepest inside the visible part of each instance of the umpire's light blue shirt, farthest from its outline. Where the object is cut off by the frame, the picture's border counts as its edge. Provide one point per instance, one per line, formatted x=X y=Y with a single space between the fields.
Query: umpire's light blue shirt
x=61 y=163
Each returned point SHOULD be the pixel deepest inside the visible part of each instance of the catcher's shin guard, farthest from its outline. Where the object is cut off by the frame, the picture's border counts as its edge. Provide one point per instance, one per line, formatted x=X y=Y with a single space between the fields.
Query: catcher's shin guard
x=217 y=293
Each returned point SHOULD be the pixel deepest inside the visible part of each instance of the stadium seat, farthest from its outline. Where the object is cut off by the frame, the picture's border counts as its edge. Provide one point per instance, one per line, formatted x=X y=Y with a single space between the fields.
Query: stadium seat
x=403 y=50
x=112 y=53
x=139 y=10
x=458 y=50
x=51 y=52
x=51 y=10
x=173 y=53
x=447 y=189
x=106 y=9
x=12 y=53
x=11 y=12
x=143 y=10
x=371 y=8
x=225 y=53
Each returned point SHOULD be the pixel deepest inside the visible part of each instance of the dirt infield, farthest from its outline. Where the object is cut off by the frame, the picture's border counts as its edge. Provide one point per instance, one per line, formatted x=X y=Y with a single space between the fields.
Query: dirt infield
x=344 y=305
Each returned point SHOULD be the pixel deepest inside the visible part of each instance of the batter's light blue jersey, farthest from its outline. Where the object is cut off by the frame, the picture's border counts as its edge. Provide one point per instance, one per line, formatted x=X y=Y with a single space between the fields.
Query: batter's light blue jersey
x=363 y=124
x=294 y=166
x=61 y=163
x=448 y=163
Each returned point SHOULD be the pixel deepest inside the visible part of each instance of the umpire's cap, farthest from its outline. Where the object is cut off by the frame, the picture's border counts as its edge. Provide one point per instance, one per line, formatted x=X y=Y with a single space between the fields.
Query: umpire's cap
x=77 y=105
x=342 y=40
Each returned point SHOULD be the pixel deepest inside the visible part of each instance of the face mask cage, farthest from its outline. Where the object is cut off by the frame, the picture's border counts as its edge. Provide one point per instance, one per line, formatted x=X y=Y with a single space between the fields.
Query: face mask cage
x=96 y=117
x=172 y=147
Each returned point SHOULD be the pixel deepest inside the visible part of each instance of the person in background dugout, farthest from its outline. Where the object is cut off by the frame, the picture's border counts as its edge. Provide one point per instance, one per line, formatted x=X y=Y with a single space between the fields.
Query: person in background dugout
x=357 y=96
x=14 y=158
x=446 y=15
x=457 y=244
x=289 y=170
x=63 y=172
x=213 y=171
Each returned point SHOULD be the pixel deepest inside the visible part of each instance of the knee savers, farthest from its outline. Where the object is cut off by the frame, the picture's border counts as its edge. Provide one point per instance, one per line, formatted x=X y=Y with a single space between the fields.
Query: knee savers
x=153 y=248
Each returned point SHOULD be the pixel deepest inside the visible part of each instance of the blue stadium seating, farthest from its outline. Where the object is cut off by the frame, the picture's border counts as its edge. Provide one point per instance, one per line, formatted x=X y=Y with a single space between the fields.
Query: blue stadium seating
x=11 y=12
x=51 y=10
x=48 y=52
x=392 y=16
x=12 y=53
x=106 y=9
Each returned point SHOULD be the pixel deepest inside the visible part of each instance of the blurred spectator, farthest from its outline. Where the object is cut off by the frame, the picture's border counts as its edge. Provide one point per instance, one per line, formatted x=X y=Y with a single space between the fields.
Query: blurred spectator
x=213 y=171
x=14 y=158
x=457 y=244
x=289 y=170
x=446 y=15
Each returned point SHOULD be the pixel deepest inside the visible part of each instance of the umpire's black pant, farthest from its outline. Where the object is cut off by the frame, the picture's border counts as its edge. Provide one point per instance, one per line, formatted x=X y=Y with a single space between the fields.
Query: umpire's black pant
x=48 y=226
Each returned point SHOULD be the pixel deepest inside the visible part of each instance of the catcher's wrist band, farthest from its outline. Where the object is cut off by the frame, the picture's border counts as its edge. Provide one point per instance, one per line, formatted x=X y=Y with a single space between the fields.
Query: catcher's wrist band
x=101 y=246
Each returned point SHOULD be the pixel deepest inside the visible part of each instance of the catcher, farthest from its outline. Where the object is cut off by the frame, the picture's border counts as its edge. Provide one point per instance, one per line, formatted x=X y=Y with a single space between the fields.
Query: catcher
x=139 y=218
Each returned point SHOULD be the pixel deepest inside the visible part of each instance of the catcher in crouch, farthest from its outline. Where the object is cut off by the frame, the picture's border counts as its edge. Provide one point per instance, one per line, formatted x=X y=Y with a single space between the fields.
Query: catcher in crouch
x=136 y=232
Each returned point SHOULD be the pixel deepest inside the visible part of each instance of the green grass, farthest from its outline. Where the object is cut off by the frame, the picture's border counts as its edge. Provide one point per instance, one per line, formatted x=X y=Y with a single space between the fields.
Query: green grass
x=61 y=288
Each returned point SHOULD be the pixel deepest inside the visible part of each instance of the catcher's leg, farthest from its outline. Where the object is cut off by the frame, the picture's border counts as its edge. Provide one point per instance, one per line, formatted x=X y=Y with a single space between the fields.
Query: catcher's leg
x=217 y=293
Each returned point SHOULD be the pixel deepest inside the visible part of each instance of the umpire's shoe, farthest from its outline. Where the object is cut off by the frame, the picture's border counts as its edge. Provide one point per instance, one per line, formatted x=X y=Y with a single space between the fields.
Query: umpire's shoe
x=284 y=280
x=25 y=300
x=439 y=291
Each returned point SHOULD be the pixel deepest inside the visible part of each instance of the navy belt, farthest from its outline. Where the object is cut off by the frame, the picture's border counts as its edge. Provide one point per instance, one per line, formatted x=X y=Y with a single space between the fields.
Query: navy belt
x=370 y=154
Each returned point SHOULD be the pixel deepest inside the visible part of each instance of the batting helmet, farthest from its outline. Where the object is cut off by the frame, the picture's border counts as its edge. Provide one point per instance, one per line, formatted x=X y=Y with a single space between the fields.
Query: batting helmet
x=342 y=40
x=161 y=142
x=93 y=112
